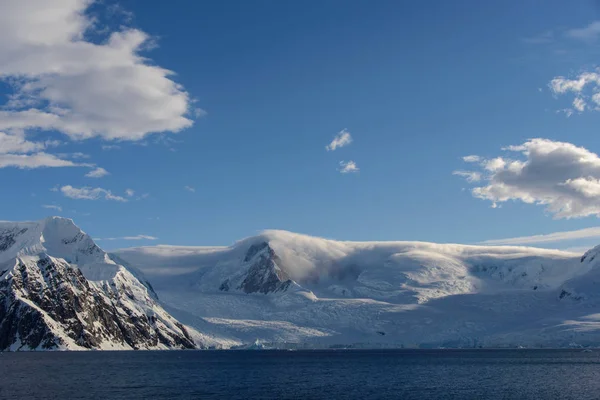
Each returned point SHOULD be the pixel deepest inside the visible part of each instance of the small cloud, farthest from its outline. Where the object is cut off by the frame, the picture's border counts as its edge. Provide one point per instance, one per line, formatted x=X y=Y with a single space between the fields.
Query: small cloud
x=129 y=192
x=348 y=167
x=136 y=237
x=588 y=34
x=471 y=158
x=199 y=113
x=343 y=138
x=97 y=173
x=470 y=176
x=189 y=189
x=52 y=207
x=110 y=147
x=88 y=193
x=579 y=104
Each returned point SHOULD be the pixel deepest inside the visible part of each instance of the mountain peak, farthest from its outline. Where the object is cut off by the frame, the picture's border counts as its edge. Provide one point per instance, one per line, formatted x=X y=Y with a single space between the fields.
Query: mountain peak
x=56 y=236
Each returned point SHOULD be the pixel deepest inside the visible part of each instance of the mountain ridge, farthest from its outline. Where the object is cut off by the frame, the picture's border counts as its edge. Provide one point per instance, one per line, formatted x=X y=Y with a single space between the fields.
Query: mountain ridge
x=389 y=294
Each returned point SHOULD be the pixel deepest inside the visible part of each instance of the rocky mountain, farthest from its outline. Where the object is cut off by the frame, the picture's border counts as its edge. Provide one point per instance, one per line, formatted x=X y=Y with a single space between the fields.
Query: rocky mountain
x=58 y=290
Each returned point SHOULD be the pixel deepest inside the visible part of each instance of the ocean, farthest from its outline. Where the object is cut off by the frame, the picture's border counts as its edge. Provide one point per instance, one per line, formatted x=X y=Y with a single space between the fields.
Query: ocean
x=317 y=374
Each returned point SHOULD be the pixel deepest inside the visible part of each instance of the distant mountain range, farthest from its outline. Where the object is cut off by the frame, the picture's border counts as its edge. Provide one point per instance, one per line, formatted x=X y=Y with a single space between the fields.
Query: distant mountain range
x=59 y=290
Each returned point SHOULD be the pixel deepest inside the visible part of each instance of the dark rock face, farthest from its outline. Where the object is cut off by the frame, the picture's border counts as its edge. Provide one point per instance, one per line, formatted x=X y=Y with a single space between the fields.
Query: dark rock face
x=47 y=303
x=265 y=274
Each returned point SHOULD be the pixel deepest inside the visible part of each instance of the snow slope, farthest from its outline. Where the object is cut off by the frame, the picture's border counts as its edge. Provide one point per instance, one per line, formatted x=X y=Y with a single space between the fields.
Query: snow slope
x=287 y=289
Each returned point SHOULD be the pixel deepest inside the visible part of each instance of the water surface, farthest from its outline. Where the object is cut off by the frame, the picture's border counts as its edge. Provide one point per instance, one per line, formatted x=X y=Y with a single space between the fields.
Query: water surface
x=339 y=374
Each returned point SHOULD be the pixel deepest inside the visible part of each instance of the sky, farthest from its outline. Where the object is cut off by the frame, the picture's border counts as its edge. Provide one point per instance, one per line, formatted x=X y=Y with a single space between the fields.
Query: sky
x=201 y=123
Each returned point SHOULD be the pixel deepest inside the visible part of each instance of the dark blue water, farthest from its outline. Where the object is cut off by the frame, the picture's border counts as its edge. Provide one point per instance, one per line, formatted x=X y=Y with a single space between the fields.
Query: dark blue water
x=347 y=374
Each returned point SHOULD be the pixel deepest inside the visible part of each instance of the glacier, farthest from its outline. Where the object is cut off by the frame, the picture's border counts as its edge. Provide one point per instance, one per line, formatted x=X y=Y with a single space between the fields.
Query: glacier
x=287 y=290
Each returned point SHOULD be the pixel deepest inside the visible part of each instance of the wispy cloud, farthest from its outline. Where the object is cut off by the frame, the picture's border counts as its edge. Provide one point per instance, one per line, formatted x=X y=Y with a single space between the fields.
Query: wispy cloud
x=347 y=167
x=97 y=173
x=560 y=176
x=343 y=138
x=18 y=152
x=136 y=237
x=52 y=207
x=37 y=160
x=129 y=192
x=89 y=193
x=470 y=176
x=189 y=189
x=588 y=33
x=547 y=238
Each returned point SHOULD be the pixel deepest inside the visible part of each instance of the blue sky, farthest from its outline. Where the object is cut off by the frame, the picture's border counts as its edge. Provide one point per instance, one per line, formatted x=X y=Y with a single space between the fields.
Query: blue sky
x=234 y=140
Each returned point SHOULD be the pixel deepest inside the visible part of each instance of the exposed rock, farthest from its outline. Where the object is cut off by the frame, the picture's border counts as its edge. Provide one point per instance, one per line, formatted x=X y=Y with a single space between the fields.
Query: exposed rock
x=265 y=274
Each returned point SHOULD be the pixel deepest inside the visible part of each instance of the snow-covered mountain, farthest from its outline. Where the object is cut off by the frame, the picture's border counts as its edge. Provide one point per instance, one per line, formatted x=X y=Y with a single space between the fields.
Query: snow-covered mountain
x=286 y=289
x=58 y=290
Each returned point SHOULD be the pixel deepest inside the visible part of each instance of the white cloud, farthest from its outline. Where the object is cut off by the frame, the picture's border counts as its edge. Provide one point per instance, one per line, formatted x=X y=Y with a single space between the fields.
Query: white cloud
x=97 y=173
x=37 y=160
x=470 y=176
x=52 y=207
x=63 y=82
x=129 y=192
x=588 y=33
x=88 y=193
x=471 y=158
x=560 y=176
x=18 y=152
x=348 y=167
x=189 y=189
x=343 y=138
x=136 y=237
x=584 y=88
x=547 y=238
x=579 y=104
x=110 y=147
x=16 y=143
